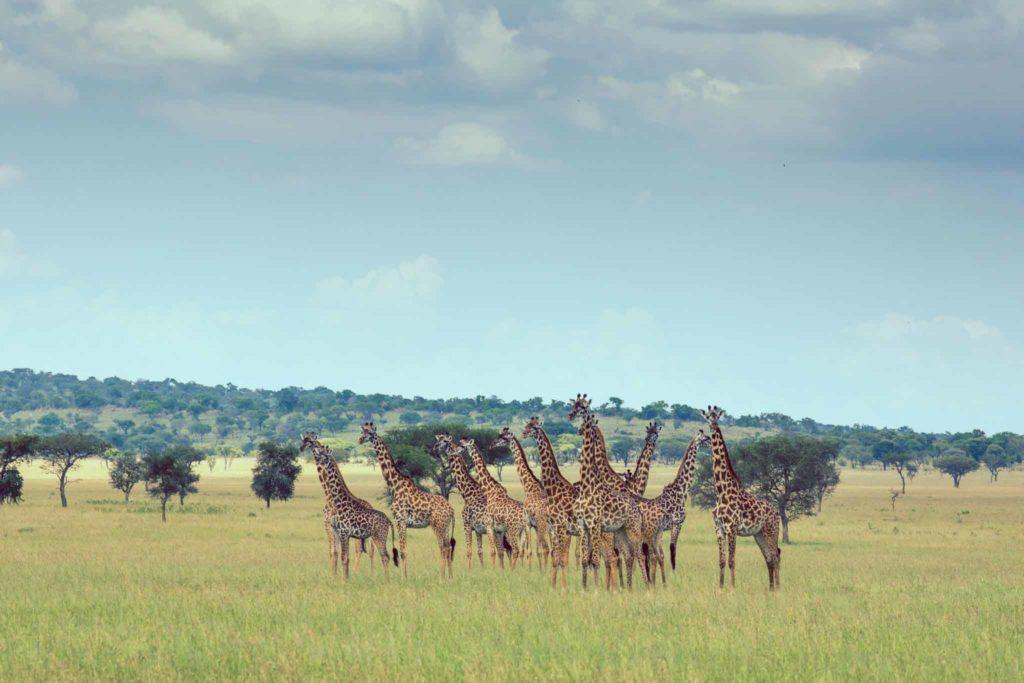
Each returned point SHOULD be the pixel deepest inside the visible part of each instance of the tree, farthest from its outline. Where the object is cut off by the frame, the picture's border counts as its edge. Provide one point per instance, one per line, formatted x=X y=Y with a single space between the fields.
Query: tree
x=63 y=453
x=890 y=454
x=410 y=418
x=616 y=402
x=125 y=425
x=51 y=423
x=793 y=471
x=956 y=464
x=273 y=477
x=995 y=459
x=654 y=411
x=13 y=449
x=169 y=473
x=125 y=471
x=621 y=448
x=200 y=429
x=413 y=450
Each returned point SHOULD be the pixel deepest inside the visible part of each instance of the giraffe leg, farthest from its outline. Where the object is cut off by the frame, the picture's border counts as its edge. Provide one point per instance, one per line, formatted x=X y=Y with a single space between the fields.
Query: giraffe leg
x=494 y=545
x=401 y=547
x=480 y=548
x=720 y=533
x=332 y=549
x=543 y=547
x=469 y=544
x=772 y=556
x=732 y=557
x=586 y=539
x=673 y=544
x=556 y=559
x=380 y=542
x=344 y=556
x=443 y=545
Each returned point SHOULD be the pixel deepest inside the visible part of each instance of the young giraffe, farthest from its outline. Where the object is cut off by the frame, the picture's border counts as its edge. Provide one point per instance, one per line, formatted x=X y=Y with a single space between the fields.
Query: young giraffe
x=673 y=497
x=474 y=500
x=350 y=517
x=651 y=514
x=536 y=502
x=506 y=514
x=412 y=506
x=562 y=523
x=737 y=512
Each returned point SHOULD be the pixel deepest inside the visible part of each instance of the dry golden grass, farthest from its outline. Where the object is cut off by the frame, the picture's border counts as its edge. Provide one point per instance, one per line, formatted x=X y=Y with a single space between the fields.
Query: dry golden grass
x=229 y=590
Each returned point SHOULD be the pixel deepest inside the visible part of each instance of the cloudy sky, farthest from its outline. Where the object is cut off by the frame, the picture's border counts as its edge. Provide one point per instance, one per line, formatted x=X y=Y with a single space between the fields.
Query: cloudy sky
x=797 y=205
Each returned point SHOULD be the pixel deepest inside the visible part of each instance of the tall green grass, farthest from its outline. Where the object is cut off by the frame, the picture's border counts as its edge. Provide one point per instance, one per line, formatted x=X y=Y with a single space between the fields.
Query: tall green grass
x=230 y=590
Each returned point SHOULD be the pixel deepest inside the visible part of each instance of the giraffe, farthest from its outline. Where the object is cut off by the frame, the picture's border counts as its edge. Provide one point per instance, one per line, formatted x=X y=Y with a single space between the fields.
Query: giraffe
x=412 y=506
x=672 y=498
x=536 y=502
x=636 y=481
x=602 y=507
x=474 y=508
x=562 y=521
x=506 y=514
x=349 y=516
x=737 y=512
x=651 y=514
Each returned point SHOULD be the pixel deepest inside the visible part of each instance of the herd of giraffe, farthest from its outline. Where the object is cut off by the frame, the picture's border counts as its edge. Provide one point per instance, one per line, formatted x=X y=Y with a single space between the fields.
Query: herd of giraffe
x=608 y=513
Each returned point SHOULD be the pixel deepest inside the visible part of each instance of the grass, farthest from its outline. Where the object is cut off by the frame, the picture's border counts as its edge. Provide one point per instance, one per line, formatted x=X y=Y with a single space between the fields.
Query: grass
x=231 y=590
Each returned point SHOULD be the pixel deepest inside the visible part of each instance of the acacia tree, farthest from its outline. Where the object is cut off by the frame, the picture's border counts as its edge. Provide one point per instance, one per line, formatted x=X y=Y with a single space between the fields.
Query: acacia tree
x=956 y=464
x=621 y=448
x=413 y=450
x=169 y=473
x=899 y=458
x=13 y=449
x=793 y=471
x=995 y=459
x=125 y=471
x=63 y=453
x=275 y=472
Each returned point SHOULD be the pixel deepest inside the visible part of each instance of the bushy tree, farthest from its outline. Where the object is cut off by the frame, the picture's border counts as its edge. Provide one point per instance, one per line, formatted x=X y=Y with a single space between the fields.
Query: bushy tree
x=413 y=450
x=956 y=463
x=996 y=458
x=169 y=473
x=897 y=456
x=63 y=453
x=13 y=449
x=620 y=449
x=273 y=477
x=793 y=471
x=125 y=471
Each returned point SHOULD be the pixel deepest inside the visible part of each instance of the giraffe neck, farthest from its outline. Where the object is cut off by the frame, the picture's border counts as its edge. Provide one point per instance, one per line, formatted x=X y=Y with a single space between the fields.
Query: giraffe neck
x=467 y=485
x=725 y=476
x=489 y=483
x=387 y=464
x=333 y=485
x=687 y=468
x=526 y=475
x=643 y=466
x=589 y=475
x=601 y=462
x=550 y=475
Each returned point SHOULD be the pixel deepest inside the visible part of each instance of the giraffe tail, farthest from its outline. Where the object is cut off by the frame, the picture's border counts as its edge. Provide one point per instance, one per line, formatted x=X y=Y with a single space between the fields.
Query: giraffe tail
x=451 y=538
x=672 y=554
x=646 y=550
x=394 y=550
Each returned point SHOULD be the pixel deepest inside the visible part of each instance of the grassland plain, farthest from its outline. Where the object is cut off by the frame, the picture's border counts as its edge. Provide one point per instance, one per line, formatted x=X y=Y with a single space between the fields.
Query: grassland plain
x=229 y=590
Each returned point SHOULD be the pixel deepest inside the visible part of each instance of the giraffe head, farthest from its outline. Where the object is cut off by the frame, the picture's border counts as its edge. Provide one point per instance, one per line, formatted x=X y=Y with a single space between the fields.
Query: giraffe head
x=367 y=433
x=444 y=444
x=309 y=440
x=504 y=439
x=702 y=438
x=713 y=414
x=581 y=406
x=467 y=443
x=652 y=432
x=532 y=429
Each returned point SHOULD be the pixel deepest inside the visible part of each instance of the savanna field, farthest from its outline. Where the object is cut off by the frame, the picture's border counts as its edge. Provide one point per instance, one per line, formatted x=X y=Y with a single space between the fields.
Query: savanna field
x=227 y=589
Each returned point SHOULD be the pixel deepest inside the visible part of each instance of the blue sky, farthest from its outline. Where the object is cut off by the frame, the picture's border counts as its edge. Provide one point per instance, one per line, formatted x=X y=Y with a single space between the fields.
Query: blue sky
x=788 y=205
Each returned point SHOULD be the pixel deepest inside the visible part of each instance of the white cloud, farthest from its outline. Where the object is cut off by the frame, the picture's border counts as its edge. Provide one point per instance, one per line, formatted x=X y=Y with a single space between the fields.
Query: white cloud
x=15 y=263
x=942 y=329
x=414 y=282
x=24 y=84
x=462 y=144
x=586 y=115
x=9 y=175
x=493 y=54
x=154 y=35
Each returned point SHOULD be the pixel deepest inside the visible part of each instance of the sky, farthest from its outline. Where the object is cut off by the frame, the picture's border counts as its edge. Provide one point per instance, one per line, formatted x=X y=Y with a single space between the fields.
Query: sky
x=800 y=206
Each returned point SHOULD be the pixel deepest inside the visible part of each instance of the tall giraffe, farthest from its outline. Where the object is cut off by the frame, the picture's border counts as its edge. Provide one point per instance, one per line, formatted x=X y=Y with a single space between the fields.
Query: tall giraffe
x=474 y=500
x=562 y=521
x=672 y=498
x=737 y=512
x=536 y=502
x=600 y=506
x=412 y=506
x=506 y=514
x=636 y=481
x=348 y=516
